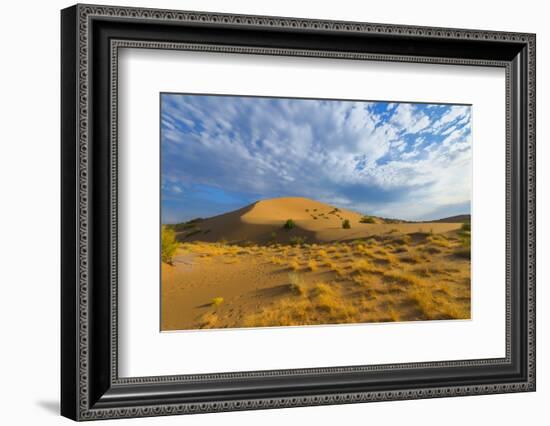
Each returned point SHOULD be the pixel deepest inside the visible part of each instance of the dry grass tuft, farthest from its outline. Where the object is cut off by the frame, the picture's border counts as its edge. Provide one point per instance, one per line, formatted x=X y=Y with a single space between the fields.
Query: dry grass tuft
x=322 y=253
x=209 y=320
x=402 y=240
x=425 y=300
x=217 y=301
x=294 y=265
x=431 y=250
x=364 y=265
x=401 y=278
x=382 y=278
x=439 y=240
x=312 y=265
x=411 y=258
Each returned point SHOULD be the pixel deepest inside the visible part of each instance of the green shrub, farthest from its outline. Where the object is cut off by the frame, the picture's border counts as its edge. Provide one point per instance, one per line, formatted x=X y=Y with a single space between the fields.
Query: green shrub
x=366 y=219
x=169 y=245
x=346 y=224
x=289 y=224
x=466 y=226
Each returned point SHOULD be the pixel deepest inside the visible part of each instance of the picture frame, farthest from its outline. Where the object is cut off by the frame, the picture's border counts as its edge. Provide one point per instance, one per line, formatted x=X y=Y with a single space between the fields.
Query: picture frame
x=91 y=387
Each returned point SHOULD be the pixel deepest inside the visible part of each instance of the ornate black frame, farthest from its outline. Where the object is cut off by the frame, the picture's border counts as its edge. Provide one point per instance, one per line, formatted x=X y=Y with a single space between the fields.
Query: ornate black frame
x=91 y=37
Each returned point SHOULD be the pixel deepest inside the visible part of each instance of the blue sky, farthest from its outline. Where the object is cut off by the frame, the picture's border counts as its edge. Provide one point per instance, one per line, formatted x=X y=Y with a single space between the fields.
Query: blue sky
x=400 y=160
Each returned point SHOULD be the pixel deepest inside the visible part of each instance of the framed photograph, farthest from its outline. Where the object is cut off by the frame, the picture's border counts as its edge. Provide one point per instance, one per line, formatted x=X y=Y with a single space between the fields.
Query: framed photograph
x=263 y=212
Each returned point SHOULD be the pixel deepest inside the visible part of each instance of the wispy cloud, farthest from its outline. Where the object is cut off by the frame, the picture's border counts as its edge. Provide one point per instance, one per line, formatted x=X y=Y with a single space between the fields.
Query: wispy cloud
x=403 y=160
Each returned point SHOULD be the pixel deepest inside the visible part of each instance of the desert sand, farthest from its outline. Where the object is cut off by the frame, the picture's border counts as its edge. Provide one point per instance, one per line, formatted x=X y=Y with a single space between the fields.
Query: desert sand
x=245 y=269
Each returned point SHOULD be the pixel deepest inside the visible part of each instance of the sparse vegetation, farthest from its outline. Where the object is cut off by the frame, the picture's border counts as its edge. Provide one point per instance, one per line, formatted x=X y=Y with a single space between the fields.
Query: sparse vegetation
x=312 y=265
x=289 y=224
x=322 y=253
x=294 y=265
x=367 y=219
x=346 y=224
x=217 y=301
x=397 y=272
x=169 y=245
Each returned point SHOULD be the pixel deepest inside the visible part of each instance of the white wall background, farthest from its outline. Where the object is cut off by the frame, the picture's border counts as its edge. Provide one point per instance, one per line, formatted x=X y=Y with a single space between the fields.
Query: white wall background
x=29 y=213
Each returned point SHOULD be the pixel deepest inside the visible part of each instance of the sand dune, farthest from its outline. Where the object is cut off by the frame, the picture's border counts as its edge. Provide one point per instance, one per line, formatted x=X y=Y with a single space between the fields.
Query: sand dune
x=314 y=221
x=238 y=270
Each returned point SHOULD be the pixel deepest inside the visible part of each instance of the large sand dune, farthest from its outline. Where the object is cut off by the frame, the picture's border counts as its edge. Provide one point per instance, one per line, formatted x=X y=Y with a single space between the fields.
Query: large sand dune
x=264 y=221
x=238 y=270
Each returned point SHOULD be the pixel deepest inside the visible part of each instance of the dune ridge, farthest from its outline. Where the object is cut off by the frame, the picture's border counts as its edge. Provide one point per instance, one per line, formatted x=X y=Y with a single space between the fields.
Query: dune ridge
x=315 y=221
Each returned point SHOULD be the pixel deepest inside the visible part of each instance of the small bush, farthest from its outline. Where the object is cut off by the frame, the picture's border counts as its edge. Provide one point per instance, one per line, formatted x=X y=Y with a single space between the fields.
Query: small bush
x=217 y=301
x=346 y=224
x=322 y=289
x=169 y=245
x=466 y=226
x=289 y=224
x=312 y=265
x=366 y=219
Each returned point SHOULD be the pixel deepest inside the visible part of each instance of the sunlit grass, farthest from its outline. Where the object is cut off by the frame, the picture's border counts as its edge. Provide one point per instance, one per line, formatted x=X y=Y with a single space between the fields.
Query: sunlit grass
x=401 y=278
x=322 y=253
x=387 y=278
x=364 y=265
x=294 y=265
x=312 y=265
x=217 y=301
x=439 y=240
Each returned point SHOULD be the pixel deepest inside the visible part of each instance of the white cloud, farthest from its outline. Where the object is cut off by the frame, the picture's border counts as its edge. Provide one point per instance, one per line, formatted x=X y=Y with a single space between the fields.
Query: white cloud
x=455 y=112
x=323 y=150
x=408 y=120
